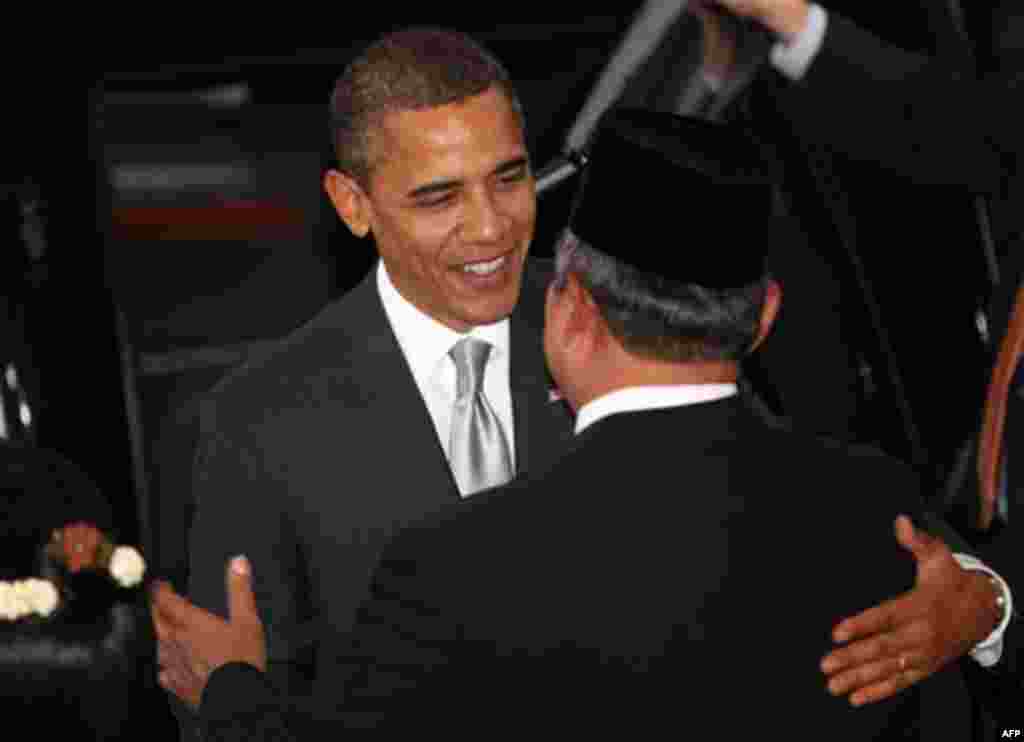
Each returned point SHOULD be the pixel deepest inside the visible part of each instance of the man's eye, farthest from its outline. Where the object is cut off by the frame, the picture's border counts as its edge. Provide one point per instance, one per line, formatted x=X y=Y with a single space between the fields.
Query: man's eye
x=439 y=199
x=514 y=176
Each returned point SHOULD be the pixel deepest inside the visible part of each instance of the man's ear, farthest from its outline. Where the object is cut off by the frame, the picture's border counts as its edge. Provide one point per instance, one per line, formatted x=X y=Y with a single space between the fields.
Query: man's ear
x=772 y=304
x=350 y=201
x=584 y=322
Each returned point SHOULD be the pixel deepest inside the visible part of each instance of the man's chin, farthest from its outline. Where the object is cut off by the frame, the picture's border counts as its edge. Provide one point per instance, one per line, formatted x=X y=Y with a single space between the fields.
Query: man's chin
x=491 y=312
x=489 y=318
x=493 y=308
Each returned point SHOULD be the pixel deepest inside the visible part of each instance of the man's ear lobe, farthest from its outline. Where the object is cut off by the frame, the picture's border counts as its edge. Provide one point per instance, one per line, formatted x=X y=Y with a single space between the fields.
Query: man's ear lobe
x=579 y=293
x=349 y=201
x=772 y=305
x=585 y=316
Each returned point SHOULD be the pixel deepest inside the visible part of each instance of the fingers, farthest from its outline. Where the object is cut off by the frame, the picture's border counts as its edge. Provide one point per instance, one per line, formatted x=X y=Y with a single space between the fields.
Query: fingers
x=917 y=542
x=912 y=639
x=166 y=618
x=176 y=681
x=904 y=529
x=878 y=667
x=887 y=688
x=241 y=601
x=182 y=671
x=176 y=619
x=882 y=671
x=877 y=620
x=863 y=653
x=174 y=671
x=170 y=607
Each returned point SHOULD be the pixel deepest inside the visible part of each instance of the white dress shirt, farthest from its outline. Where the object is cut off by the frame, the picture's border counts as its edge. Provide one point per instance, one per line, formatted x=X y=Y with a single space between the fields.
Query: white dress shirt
x=793 y=60
x=425 y=343
x=635 y=398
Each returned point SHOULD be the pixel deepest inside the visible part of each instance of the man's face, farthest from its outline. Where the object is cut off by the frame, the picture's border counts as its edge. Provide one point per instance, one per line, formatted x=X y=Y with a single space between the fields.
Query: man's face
x=451 y=204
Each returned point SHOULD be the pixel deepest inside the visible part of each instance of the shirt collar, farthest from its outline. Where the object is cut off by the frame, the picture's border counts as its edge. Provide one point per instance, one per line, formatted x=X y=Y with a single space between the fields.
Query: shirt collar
x=635 y=398
x=425 y=341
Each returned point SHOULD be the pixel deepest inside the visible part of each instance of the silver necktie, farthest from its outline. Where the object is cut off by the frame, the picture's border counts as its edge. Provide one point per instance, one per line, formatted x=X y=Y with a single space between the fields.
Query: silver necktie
x=478 y=449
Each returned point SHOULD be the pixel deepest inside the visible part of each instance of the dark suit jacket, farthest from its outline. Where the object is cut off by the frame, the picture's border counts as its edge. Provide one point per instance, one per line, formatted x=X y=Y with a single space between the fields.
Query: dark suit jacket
x=310 y=458
x=874 y=102
x=884 y=111
x=643 y=584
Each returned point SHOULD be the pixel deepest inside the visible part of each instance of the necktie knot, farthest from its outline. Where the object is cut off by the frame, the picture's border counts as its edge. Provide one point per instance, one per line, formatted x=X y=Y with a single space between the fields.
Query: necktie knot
x=470 y=356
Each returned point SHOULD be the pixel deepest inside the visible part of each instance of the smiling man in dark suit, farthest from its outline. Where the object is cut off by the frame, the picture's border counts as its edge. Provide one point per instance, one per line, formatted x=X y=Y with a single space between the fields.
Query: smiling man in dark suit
x=313 y=455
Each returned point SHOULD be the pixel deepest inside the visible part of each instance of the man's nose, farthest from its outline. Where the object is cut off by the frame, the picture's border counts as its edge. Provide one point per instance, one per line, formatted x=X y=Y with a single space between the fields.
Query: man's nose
x=484 y=220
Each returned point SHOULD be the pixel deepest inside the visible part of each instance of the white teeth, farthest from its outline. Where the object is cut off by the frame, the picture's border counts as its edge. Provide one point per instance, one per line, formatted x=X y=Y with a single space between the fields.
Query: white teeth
x=483 y=269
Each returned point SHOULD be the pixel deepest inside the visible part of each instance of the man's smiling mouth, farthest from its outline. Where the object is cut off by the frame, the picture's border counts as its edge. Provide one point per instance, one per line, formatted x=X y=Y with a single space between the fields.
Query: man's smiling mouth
x=485 y=268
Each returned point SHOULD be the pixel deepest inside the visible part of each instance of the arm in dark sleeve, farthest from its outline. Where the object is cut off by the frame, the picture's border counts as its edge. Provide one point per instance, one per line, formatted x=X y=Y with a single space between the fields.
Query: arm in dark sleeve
x=389 y=673
x=871 y=101
x=394 y=671
x=240 y=509
x=240 y=703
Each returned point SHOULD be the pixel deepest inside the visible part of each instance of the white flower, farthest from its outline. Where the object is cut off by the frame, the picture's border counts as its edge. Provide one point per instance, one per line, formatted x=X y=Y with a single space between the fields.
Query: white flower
x=42 y=595
x=10 y=605
x=127 y=566
x=25 y=597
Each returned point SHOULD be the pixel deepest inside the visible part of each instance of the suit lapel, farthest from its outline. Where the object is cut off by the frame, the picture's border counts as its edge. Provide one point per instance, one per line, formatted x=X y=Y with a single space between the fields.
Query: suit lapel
x=399 y=415
x=543 y=428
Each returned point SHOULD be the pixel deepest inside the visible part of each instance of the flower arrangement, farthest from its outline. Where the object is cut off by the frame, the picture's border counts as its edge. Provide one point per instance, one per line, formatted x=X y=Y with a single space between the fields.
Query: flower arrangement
x=77 y=546
x=83 y=546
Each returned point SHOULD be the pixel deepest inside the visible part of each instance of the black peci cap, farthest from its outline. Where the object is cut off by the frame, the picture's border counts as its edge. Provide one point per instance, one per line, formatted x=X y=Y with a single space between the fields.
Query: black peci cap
x=685 y=198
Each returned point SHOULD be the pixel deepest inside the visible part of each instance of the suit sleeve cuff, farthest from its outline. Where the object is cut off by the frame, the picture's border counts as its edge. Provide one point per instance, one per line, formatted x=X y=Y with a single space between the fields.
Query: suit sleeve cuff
x=988 y=652
x=230 y=685
x=793 y=59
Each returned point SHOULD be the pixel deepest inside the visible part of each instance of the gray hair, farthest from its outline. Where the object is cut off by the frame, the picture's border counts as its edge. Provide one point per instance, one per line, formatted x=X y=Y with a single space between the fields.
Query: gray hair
x=660 y=318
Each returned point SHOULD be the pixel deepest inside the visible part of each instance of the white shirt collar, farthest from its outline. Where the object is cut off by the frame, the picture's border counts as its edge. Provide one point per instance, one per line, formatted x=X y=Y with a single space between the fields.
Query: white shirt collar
x=424 y=341
x=635 y=398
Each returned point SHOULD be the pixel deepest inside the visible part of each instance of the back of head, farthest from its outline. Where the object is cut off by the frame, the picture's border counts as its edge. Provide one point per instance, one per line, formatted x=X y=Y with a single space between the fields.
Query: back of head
x=407 y=70
x=669 y=232
x=76 y=642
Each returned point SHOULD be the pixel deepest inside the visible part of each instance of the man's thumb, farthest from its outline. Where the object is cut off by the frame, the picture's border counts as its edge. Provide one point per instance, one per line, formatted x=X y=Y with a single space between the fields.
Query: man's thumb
x=241 y=602
x=914 y=540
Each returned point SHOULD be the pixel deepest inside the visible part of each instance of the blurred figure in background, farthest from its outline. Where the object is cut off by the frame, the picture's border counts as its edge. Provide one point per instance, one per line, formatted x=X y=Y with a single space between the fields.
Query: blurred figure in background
x=935 y=126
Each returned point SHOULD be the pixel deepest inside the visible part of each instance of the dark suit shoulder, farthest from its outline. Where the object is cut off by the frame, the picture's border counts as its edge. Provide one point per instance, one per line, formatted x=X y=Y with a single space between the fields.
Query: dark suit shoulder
x=328 y=356
x=859 y=475
x=300 y=369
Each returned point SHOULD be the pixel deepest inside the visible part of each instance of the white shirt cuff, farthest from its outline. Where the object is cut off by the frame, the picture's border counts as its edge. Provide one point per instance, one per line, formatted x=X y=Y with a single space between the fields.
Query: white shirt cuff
x=793 y=59
x=988 y=652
